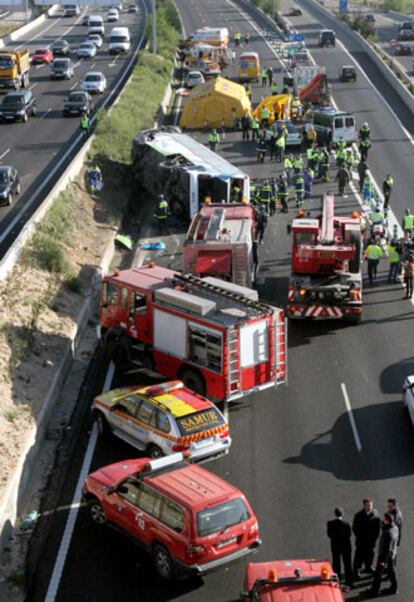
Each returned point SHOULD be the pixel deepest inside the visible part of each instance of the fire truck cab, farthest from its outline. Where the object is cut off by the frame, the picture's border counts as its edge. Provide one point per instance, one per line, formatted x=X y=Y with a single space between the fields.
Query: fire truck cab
x=216 y=337
x=221 y=242
x=288 y=580
x=326 y=281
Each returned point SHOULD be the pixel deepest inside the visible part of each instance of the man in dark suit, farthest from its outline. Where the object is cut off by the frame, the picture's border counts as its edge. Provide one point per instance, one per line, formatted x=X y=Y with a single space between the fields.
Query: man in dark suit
x=339 y=532
x=366 y=528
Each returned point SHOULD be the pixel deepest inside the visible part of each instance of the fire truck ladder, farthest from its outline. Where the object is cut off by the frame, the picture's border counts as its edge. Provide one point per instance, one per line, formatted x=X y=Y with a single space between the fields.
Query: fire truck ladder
x=280 y=351
x=196 y=284
x=233 y=356
x=215 y=224
x=240 y=266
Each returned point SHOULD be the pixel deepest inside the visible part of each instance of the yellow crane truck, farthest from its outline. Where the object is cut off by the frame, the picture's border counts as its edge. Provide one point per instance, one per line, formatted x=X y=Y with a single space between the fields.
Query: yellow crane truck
x=14 y=69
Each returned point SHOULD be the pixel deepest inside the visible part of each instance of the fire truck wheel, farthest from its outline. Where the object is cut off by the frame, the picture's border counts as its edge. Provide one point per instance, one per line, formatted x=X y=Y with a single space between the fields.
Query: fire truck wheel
x=119 y=356
x=154 y=452
x=354 y=320
x=96 y=512
x=194 y=381
x=163 y=562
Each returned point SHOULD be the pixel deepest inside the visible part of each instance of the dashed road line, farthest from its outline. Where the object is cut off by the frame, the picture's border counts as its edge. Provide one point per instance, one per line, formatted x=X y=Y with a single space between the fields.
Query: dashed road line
x=351 y=418
x=6 y=152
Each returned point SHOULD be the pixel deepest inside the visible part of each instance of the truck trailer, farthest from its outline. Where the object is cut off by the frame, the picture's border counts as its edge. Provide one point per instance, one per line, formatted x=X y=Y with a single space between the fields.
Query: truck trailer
x=221 y=242
x=215 y=336
x=326 y=280
x=172 y=163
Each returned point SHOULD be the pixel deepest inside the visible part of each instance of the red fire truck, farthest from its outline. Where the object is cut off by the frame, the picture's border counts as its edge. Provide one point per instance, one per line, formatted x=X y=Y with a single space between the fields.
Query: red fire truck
x=326 y=281
x=215 y=336
x=220 y=242
x=288 y=580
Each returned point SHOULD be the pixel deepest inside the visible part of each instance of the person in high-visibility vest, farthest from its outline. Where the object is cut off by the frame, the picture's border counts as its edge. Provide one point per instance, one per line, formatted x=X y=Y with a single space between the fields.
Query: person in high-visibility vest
x=270 y=75
x=162 y=215
x=349 y=160
x=299 y=189
x=265 y=196
x=261 y=148
x=377 y=216
x=274 y=89
x=263 y=75
x=311 y=136
x=368 y=189
x=341 y=144
x=85 y=124
x=408 y=224
x=394 y=260
x=364 y=132
x=373 y=254
x=255 y=125
x=387 y=186
x=288 y=167
x=308 y=177
x=264 y=117
x=297 y=165
x=237 y=38
x=213 y=140
x=324 y=165
x=340 y=157
x=364 y=147
x=280 y=145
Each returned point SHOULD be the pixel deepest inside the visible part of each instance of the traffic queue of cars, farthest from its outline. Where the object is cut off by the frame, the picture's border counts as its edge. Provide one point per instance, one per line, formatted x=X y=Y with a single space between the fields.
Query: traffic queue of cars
x=19 y=105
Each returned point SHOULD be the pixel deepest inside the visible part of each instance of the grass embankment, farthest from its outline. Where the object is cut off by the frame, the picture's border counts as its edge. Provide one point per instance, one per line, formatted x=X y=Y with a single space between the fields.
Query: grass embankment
x=401 y=6
x=6 y=28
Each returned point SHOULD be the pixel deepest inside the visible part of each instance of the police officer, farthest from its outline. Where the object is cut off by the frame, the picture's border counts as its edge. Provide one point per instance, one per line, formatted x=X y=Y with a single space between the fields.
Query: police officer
x=387 y=187
x=394 y=260
x=288 y=165
x=373 y=254
x=366 y=527
x=261 y=223
x=255 y=125
x=349 y=160
x=340 y=157
x=297 y=165
x=387 y=558
x=280 y=144
x=213 y=140
x=264 y=117
x=85 y=124
x=263 y=75
x=364 y=147
x=274 y=89
x=339 y=532
x=324 y=165
x=269 y=73
x=283 y=193
x=162 y=215
x=364 y=132
x=343 y=178
x=362 y=173
x=261 y=148
x=299 y=189
x=408 y=224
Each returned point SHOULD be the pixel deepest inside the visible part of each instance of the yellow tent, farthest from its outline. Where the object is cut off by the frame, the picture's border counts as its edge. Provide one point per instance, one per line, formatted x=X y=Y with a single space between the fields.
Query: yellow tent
x=278 y=105
x=213 y=104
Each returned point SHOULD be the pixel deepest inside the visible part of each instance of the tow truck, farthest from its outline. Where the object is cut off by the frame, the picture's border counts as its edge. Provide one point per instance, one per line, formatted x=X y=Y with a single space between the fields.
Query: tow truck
x=14 y=69
x=310 y=84
x=215 y=336
x=220 y=242
x=326 y=280
x=288 y=580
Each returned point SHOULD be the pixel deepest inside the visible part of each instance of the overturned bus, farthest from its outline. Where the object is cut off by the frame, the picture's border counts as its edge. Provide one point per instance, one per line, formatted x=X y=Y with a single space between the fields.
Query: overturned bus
x=188 y=173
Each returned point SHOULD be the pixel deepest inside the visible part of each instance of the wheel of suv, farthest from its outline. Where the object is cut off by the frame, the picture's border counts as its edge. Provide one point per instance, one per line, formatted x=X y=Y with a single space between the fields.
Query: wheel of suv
x=34 y=111
x=24 y=117
x=9 y=199
x=154 y=452
x=96 y=512
x=163 y=562
x=18 y=188
x=102 y=424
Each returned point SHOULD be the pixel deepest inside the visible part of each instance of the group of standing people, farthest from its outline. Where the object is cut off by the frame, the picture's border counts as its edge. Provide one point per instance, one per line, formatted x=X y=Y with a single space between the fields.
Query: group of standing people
x=369 y=531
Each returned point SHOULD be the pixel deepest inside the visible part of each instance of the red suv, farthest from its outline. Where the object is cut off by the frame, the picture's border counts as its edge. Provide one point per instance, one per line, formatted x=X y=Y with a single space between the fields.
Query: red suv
x=187 y=518
x=287 y=580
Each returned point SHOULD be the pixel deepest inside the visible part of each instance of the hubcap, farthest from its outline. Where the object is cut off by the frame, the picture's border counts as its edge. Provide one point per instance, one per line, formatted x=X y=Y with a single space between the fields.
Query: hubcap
x=97 y=514
x=163 y=563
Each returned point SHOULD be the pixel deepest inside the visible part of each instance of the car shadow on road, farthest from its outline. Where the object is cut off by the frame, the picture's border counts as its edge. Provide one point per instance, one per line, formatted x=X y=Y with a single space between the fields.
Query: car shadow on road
x=386 y=436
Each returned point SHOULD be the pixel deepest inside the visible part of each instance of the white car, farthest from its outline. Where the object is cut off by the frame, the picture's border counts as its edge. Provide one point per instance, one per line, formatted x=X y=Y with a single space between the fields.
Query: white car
x=86 y=50
x=408 y=396
x=94 y=82
x=194 y=78
x=113 y=15
x=96 y=39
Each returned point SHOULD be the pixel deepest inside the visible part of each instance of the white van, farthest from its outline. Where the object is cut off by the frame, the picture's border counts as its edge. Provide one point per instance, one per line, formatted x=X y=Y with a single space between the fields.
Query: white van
x=71 y=10
x=96 y=25
x=119 y=40
x=332 y=125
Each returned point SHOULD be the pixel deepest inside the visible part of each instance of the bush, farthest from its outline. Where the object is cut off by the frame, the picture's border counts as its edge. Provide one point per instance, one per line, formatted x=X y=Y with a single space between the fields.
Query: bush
x=58 y=222
x=74 y=284
x=49 y=253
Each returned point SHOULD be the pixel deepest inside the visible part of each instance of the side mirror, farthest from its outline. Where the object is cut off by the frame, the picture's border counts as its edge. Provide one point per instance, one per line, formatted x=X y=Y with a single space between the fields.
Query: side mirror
x=289 y=229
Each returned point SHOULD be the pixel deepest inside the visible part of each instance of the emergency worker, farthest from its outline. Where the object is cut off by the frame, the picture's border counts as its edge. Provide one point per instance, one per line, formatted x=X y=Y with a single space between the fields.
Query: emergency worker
x=261 y=223
x=408 y=224
x=362 y=173
x=162 y=215
x=364 y=132
x=274 y=89
x=308 y=177
x=296 y=108
x=237 y=38
x=283 y=193
x=297 y=165
x=311 y=136
x=255 y=126
x=288 y=165
x=373 y=254
x=85 y=125
x=394 y=261
x=339 y=532
x=343 y=178
x=387 y=186
x=368 y=189
x=299 y=189
x=245 y=125
x=376 y=216
x=280 y=144
x=264 y=117
x=324 y=165
x=263 y=75
x=265 y=196
x=269 y=73
x=366 y=527
x=349 y=160
x=213 y=140
x=364 y=147
x=340 y=157
x=261 y=148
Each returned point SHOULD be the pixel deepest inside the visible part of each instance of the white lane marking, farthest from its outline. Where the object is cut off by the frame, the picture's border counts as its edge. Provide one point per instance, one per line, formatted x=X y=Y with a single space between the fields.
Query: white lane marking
x=114 y=61
x=56 y=166
x=74 y=85
x=6 y=152
x=45 y=113
x=75 y=505
x=33 y=85
x=39 y=34
x=351 y=418
x=77 y=64
x=92 y=66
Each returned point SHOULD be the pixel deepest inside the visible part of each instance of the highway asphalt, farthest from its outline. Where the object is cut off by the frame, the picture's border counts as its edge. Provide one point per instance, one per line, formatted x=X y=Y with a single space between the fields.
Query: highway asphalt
x=35 y=147
x=294 y=453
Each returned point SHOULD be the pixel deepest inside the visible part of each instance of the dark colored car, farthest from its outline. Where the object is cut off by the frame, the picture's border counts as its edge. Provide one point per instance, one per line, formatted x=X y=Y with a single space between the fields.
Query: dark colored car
x=9 y=184
x=348 y=74
x=78 y=103
x=61 y=69
x=405 y=25
x=327 y=37
x=60 y=48
x=294 y=12
x=406 y=35
x=18 y=106
x=403 y=50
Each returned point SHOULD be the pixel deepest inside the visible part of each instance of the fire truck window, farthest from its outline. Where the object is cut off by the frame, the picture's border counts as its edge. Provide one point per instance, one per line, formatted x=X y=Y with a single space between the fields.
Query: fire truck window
x=149 y=501
x=172 y=515
x=304 y=238
x=112 y=294
x=145 y=412
x=129 y=490
x=124 y=298
x=140 y=303
x=205 y=348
